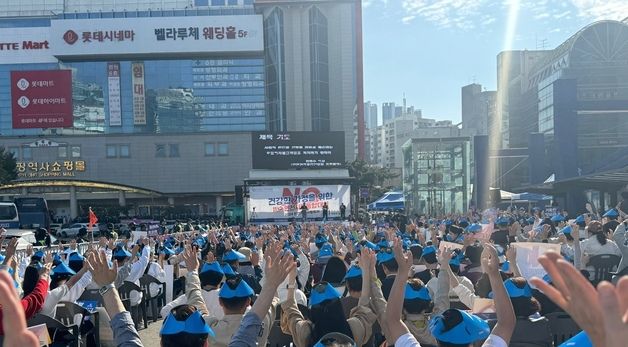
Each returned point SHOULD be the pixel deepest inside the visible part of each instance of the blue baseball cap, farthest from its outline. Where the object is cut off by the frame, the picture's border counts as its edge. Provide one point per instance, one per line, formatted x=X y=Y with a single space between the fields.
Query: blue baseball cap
x=502 y=221
x=516 y=292
x=370 y=245
x=566 y=230
x=579 y=340
x=240 y=289
x=325 y=251
x=322 y=292
x=121 y=253
x=580 y=219
x=39 y=255
x=471 y=329
x=214 y=266
x=411 y=292
x=228 y=271
x=232 y=255
x=612 y=213
x=474 y=228
x=167 y=251
x=557 y=218
x=353 y=272
x=385 y=255
x=61 y=270
x=194 y=324
x=320 y=238
x=506 y=266
x=75 y=256
x=429 y=250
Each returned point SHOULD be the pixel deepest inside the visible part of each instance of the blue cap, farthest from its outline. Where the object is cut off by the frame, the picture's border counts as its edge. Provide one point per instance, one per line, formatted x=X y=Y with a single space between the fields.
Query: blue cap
x=449 y=222
x=320 y=238
x=354 y=272
x=579 y=340
x=325 y=251
x=321 y=292
x=429 y=250
x=122 y=253
x=232 y=255
x=506 y=266
x=371 y=245
x=338 y=338
x=228 y=270
x=474 y=228
x=214 y=266
x=557 y=218
x=516 y=292
x=456 y=259
x=167 y=251
x=61 y=270
x=471 y=329
x=530 y=220
x=2 y=257
x=416 y=293
x=385 y=255
x=56 y=259
x=502 y=221
x=612 y=213
x=383 y=244
x=580 y=219
x=566 y=230
x=194 y=324
x=76 y=257
x=240 y=290
x=39 y=255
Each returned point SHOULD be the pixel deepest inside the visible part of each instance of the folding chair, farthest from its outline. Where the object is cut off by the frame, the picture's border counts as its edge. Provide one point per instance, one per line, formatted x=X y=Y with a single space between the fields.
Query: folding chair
x=604 y=265
x=277 y=338
x=159 y=300
x=66 y=313
x=54 y=326
x=562 y=327
x=531 y=333
x=139 y=311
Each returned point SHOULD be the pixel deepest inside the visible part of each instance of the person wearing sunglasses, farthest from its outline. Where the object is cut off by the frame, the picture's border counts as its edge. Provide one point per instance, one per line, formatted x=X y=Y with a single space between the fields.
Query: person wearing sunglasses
x=327 y=315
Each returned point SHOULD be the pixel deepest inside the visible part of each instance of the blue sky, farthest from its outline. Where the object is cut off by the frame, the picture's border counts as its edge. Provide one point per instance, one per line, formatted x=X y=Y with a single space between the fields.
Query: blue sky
x=429 y=49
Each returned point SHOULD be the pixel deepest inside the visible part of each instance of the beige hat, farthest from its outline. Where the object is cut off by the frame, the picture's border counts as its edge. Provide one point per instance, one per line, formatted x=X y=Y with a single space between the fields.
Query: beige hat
x=246 y=252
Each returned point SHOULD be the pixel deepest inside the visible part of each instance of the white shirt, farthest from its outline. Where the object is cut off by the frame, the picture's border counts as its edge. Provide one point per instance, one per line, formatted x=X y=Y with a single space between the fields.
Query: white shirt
x=407 y=340
x=211 y=303
x=53 y=298
x=494 y=341
x=137 y=270
x=156 y=271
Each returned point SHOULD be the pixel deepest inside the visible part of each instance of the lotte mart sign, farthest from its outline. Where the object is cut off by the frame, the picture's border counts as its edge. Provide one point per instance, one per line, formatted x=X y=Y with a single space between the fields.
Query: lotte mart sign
x=157 y=35
x=62 y=168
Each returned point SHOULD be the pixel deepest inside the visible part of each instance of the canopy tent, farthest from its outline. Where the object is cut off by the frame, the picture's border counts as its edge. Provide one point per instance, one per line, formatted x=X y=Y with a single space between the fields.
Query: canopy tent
x=390 y=201
x=530 y=197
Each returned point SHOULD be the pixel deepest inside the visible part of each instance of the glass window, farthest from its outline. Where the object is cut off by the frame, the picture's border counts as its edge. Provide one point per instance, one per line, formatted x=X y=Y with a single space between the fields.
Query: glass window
x=223 y=149
x=125 y=151
x=27 y=153
x=210 y=149
x=62 y=151
x=15 y=151
x=232 y=2
x=201 y=2
x=174 y=150
x=112 y=151
x=160 y=151
x=218 y=2
x=76 y=151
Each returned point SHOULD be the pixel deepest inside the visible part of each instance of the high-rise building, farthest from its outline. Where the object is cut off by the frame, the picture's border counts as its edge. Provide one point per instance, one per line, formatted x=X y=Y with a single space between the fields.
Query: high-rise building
x=148 y=98
x=399 y=111
x=477 y=108
x=370 y=115
x=388 y=112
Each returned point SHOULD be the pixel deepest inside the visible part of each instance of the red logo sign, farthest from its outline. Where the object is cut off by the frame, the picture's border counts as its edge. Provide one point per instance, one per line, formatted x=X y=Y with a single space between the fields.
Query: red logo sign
x=41 y=99
x=70 y=37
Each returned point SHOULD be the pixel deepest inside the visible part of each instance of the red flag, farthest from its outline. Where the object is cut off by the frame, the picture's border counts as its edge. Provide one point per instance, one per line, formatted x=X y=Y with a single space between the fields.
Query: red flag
x=92 y=219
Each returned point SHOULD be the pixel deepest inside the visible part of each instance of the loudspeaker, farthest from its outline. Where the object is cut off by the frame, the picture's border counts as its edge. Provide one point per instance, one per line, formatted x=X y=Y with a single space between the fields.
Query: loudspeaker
x=239 y=195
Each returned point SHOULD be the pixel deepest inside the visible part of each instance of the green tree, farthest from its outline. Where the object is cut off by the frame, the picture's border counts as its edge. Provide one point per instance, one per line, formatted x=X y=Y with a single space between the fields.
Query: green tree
x=371 y=177
x=8 y=166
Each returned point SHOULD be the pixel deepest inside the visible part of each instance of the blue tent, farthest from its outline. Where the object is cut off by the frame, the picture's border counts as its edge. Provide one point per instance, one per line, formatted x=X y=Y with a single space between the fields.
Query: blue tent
x=530 y=197
x=390 y=201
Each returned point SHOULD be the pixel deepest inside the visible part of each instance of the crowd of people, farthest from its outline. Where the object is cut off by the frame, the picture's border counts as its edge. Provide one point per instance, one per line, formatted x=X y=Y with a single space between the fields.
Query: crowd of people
x=416 y=283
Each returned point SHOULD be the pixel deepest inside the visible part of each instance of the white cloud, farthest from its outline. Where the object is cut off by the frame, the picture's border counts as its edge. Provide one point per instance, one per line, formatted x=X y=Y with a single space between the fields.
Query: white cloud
x=561 y=15
x=602 y=9
x=461 y=14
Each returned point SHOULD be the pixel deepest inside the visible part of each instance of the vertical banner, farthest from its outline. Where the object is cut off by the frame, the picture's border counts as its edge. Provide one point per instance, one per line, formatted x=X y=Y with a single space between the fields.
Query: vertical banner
x=115 y=110
x=41 y=99
x=139 y=97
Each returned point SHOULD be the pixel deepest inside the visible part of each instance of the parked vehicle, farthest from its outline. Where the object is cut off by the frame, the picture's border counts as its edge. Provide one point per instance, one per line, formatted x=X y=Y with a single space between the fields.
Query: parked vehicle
x=9 y=218
x=73 y=230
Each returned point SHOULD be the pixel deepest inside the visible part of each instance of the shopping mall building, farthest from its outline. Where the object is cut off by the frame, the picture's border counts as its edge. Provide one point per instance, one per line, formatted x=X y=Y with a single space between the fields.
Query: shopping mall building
x=151 y=105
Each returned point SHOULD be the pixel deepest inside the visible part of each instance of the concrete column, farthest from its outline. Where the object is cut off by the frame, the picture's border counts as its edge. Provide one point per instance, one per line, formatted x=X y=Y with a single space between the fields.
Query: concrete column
x=24 y=191
x=73 y=203
x=122 y=199
x=218 y=203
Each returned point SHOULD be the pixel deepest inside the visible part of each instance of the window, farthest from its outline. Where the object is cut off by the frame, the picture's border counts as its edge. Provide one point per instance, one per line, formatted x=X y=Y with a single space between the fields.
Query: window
x=174 y=150
x=76 y=151
x=223 y=149
x=112 y=151
x=210 y=149
x=125 y=151
x=15 y=151
x=160 y=151
x=62 y=151
x=27 y=153
x=232 y=2
x=218 y=2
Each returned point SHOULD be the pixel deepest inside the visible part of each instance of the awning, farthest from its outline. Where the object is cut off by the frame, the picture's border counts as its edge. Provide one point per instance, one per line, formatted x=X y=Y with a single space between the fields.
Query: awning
x=391 y=201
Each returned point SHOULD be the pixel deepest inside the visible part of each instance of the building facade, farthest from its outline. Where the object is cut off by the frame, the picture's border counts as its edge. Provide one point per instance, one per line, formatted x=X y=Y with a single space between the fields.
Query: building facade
x=370 y=115
x=152 y=113
x=478 y=107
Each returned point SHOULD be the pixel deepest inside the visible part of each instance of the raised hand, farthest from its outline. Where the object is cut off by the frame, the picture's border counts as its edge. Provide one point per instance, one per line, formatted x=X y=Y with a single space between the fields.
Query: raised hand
x=404 y=259
x=444 y=256
x=29 y=251
x=102 y=274
x=277 y=268
x=190 y=259
x=490 y=259
x=511 y=254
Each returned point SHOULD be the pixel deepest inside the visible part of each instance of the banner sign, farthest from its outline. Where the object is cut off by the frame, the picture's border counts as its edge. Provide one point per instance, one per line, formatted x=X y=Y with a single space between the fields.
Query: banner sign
x=113 y=78
x=298 y=150
x=528 y=254
x=157 y=35
x=47 y=169
x=283 y=203
x=25 y=46
x=41 y=99
x=139 y=97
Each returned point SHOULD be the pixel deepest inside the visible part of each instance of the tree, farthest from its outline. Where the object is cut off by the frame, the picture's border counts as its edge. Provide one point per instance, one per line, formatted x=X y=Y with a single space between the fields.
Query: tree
x=369 y=176
x=8 y=166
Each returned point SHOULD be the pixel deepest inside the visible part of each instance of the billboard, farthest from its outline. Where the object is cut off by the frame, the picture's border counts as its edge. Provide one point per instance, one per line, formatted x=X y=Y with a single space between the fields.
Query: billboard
x=25 y=46
x=113 y=84
x=139 y=97
x=157 y=35
x=41 y=99
x=298 y=150
x=277 y=204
